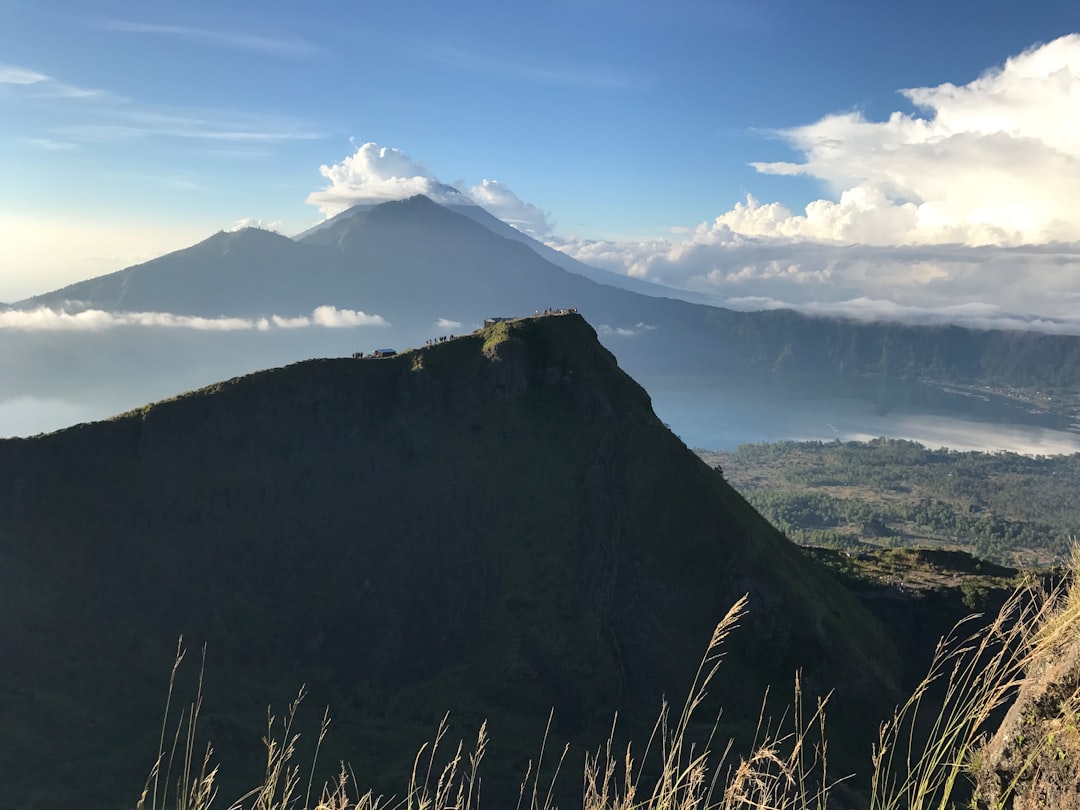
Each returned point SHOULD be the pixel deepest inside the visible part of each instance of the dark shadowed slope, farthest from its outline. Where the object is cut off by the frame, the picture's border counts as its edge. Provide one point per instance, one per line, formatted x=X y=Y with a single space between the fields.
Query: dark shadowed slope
x=491 y=526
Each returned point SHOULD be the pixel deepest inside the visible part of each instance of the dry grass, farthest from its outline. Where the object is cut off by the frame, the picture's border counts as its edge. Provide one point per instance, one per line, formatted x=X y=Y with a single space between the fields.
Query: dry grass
x=921 y=760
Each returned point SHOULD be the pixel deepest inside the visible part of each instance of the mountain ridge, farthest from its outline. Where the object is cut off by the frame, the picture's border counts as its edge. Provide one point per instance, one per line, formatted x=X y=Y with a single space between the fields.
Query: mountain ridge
x=492 y=525
x=418 y=264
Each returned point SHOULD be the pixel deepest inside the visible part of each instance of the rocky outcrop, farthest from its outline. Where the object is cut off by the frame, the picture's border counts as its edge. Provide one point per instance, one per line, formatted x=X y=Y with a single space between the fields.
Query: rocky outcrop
x=1032 y=761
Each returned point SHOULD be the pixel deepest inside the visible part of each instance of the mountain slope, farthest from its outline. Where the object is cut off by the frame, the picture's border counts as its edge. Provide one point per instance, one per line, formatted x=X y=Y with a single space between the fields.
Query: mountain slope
x=409 y=260
x=417 y=264
x=415 y=261
x=492 y=526
x=453 y=200
x=572 y=265
x=245 y=272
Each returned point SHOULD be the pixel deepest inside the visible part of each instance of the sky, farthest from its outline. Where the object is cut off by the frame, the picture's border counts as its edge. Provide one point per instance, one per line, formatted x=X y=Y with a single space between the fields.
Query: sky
x=913 y=161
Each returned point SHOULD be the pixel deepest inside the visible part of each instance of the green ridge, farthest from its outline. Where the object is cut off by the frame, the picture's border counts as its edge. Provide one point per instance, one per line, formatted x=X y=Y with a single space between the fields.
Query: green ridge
x=491 y=526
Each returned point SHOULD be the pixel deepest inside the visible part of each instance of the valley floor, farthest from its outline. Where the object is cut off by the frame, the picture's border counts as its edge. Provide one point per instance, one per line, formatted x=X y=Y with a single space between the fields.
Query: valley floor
x=1003 y=507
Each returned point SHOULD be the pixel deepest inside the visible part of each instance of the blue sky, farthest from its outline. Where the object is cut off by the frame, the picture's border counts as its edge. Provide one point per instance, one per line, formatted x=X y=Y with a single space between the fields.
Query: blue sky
x=131 y=128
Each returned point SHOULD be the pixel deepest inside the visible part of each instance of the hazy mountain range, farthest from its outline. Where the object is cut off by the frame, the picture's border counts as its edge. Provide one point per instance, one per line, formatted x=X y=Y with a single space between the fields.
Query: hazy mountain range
x=400 y=273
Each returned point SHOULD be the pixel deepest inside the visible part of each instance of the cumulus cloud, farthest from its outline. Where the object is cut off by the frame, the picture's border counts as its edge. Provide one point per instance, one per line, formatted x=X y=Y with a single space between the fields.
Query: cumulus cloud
x=995 y=161
x=499 y=200
x=446 y=323
x=290 y=323
x=970 y=198
x=45 y=319
x=372 y=174
x=376 y=174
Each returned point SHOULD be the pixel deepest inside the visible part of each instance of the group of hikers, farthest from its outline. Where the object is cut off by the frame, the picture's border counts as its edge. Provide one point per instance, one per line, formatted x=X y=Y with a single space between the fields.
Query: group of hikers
x=443 y=338
x=567 y=311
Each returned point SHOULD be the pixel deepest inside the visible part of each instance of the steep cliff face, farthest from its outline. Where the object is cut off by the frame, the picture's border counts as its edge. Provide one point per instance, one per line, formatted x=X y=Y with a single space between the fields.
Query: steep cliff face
x=490 y=526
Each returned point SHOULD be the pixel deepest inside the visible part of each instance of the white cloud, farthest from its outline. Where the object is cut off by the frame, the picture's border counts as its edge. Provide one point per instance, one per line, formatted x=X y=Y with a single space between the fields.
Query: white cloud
x=290 y=323
x=446 y=323
x=10 y=74
x=373 y=174
x=95 y=320
x=45 y=319
x=625 y=331
x=376 y=174
x=995 y=161
x=42 y=84
x=499 y=200
x=254 y=222
x=334 y=318
x=971 y=200
x=1042 y=279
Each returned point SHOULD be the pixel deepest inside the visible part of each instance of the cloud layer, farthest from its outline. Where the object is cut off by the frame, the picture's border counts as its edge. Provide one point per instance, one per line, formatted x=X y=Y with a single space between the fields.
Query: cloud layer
x=969 y=200
x=376 y=174
x=95 y=320
x=755 y=272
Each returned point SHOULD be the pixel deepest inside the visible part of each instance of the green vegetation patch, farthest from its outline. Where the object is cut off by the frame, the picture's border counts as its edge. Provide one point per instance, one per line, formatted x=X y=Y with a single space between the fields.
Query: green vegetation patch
x=1004 y=507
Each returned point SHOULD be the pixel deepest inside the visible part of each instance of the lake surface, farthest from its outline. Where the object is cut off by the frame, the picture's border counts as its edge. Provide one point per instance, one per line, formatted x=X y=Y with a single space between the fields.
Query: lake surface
x=714 y=418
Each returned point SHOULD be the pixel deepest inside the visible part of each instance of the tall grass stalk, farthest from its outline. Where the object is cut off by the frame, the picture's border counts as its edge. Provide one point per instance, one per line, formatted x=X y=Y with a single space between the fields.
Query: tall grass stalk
x=919 y=762
x=929 y=743
x=195 y=788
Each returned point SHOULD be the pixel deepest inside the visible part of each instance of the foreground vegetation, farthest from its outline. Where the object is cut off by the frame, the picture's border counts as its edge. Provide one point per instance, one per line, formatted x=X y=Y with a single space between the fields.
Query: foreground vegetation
x=1002 y=507
x=938 y=750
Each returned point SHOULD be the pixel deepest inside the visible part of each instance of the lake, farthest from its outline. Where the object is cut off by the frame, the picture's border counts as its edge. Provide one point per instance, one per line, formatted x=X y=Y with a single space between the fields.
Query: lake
x=719 y=418
x=706 y=416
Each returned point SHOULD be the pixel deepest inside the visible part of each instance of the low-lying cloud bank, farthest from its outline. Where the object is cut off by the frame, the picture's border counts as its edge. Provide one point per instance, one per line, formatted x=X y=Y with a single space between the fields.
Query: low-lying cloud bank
x=971 y=316
x=624 y=331
x=1039 y=279
x=46 y=319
